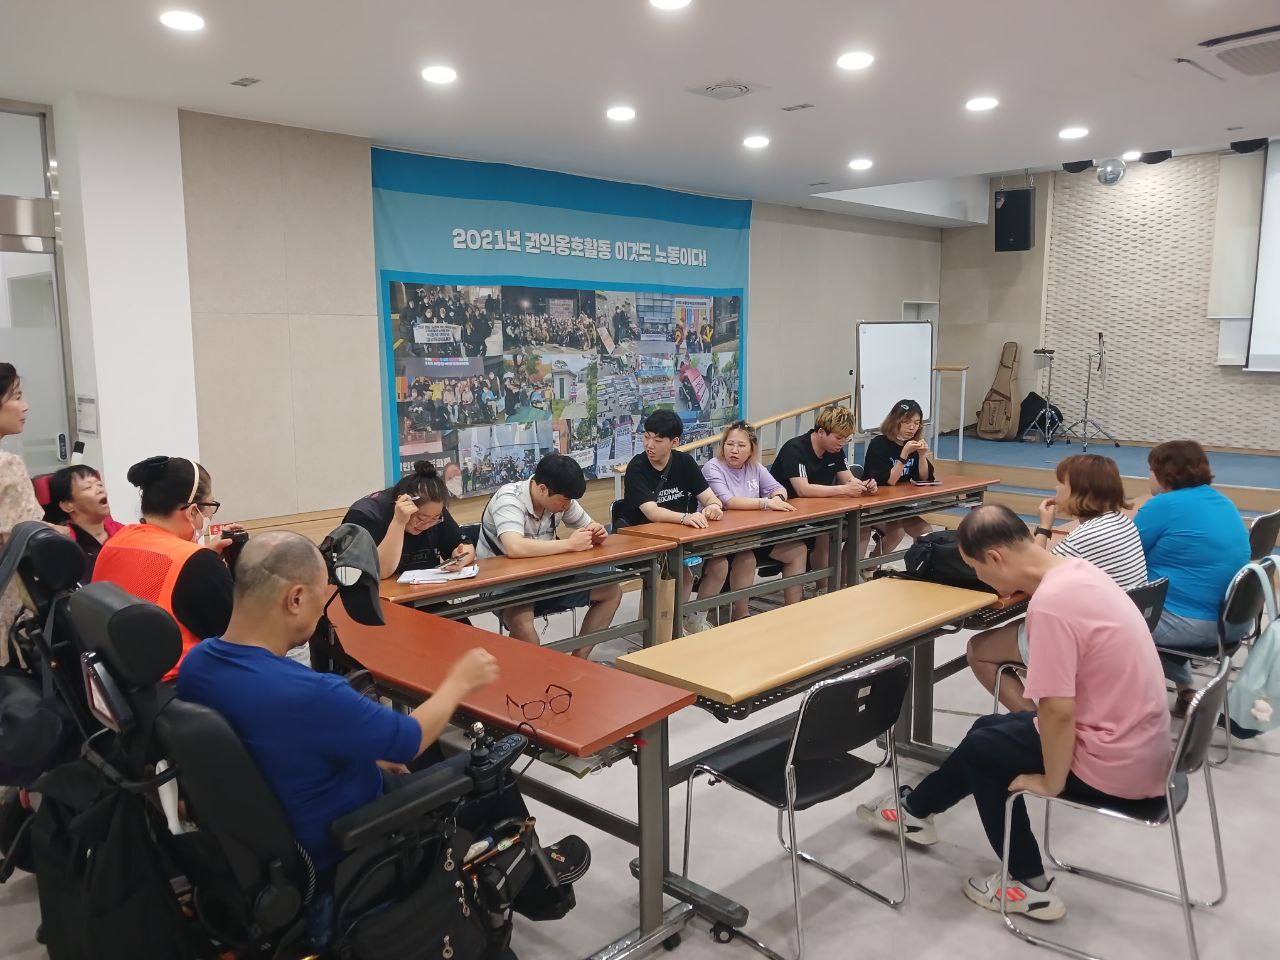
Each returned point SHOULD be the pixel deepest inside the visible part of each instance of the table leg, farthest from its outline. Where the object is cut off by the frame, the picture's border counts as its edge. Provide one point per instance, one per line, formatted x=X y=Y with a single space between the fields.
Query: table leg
x=853 y=572
x=677 y=620
x=914 y=731
x=837 y=581
x=651 y=601
x=964 y=374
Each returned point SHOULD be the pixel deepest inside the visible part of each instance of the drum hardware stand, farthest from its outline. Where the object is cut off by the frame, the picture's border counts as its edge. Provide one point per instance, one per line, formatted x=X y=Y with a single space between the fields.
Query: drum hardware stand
x=1043 y=423
x=1087 y=427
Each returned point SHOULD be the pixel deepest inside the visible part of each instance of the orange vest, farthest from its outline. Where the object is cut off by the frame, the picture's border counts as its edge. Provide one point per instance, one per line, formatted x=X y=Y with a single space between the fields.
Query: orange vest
x=145 y=561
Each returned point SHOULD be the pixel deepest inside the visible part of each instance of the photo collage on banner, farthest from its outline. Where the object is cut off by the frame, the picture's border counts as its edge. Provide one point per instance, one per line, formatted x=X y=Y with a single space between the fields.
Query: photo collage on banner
x=488 y=379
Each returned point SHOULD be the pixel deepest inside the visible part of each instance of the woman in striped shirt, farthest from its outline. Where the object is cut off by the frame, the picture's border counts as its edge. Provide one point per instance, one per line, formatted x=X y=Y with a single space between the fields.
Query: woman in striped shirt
x=1090 y=490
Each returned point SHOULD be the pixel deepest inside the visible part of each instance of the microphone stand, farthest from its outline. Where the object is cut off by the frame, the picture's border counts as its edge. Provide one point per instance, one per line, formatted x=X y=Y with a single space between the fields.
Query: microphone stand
x=1086 y=427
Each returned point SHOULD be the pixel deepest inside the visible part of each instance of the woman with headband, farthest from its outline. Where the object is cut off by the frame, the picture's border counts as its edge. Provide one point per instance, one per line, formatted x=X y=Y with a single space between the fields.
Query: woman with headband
x=169 y=559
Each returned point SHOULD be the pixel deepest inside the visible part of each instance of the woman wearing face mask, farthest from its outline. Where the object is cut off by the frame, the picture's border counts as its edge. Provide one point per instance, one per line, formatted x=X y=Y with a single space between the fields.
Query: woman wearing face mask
x=17 y=497
x=78 y=499
x=169 y=558
x=411 y=525
x=741 y=482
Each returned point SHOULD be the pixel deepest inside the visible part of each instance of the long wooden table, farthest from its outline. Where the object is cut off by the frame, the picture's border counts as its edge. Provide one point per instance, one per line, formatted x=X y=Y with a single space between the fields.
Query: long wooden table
x=774 y=655
x=506 y=581
x=410 y=657
x=738 y=530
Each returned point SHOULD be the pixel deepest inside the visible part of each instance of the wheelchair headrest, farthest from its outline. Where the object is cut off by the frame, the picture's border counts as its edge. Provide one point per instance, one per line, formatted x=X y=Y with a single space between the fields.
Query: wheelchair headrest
x=47 y=561
x=139 y=641
x=352 y=560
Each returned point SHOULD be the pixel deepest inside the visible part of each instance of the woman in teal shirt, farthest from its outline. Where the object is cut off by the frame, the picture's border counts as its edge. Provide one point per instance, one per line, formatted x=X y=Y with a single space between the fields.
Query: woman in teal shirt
x=1195 y=536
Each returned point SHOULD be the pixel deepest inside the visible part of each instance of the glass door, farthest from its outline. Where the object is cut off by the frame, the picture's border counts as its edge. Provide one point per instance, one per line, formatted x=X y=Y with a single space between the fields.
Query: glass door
x=31 y=331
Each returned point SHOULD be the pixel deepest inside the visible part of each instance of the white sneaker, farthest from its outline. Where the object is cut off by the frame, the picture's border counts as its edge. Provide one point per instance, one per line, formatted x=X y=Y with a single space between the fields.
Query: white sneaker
x=1036 y=904
x=884 y=816
x=696 y=623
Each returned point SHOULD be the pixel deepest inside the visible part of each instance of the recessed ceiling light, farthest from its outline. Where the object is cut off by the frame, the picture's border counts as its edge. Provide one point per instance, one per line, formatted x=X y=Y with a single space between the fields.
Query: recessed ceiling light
x=861 y=163
x=978 y=104
x=1130 y=155
x=855 y=60
x=439 y=74
x=620 y=114
x=1073 y=133
x=756 y=142
x=182 y=20
x=669 y=4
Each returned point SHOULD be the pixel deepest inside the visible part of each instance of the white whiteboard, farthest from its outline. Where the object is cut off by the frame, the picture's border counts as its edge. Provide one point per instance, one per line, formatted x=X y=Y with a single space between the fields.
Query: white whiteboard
x=895 y=362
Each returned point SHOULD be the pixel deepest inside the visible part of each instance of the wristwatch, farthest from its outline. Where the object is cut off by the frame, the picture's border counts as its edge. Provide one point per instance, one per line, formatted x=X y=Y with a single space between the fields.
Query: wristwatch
x=1044 y=532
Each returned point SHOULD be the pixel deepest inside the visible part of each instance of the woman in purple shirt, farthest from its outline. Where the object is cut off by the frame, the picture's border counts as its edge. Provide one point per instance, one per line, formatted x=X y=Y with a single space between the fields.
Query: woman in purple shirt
x=741 y=482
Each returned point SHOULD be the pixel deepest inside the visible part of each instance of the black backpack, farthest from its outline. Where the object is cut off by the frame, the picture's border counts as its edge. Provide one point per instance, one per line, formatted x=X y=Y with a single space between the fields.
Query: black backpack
x=936 y=557
x=1032 y=407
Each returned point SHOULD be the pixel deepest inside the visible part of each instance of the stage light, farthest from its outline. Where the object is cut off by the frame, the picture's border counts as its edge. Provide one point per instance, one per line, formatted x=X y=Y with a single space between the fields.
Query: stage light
x=1077 y=166
x=1249 y=146
x=1156 y=156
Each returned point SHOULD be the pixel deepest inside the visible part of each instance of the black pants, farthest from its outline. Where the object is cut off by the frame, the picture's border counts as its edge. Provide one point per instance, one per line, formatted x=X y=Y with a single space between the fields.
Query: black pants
x=996 y=749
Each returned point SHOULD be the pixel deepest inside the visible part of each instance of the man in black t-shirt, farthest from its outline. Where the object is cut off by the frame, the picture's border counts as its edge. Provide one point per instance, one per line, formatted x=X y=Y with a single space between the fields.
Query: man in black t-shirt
x=665 y=485
x=813 y=465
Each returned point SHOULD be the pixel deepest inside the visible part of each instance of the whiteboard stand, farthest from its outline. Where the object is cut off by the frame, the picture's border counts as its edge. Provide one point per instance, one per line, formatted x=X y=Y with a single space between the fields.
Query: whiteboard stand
x=938 y=371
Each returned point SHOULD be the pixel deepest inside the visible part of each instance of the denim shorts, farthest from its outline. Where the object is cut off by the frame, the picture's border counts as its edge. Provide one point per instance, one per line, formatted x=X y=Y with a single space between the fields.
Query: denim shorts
x=1197 y=637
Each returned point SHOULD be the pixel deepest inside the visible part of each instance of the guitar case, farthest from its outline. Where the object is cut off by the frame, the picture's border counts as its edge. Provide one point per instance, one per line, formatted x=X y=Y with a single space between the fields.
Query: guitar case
x=998 y=417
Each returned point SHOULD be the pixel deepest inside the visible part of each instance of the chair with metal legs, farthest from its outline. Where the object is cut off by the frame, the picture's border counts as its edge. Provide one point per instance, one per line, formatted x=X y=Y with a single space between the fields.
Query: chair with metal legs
x=1239 y=622
x=1149 y=598
x=810 y=761
x=1190 y=755
x=1263 y=533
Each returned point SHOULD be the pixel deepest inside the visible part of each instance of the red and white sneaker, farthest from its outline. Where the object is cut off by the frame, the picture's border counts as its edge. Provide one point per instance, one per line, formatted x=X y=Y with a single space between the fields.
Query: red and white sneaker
x=884 y=816
x=1036 y=904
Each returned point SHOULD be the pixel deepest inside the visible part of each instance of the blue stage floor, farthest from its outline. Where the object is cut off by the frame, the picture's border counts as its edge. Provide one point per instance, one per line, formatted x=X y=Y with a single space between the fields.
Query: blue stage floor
x=1232 y=469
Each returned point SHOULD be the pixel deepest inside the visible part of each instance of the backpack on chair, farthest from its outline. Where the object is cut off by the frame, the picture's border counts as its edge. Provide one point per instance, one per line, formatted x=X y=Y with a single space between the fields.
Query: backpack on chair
x=998 y=417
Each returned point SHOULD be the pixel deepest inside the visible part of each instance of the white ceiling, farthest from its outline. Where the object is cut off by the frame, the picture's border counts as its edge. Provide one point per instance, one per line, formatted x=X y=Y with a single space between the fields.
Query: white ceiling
x=535 y=77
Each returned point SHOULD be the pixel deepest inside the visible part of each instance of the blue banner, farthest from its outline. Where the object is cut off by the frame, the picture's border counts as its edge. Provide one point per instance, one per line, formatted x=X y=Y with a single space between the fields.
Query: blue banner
x=526 y=311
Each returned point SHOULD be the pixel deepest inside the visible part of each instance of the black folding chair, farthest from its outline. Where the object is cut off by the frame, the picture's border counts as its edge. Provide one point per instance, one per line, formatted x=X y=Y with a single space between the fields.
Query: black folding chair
x=1263 y=534
x=810 y=761
x=1190 y=756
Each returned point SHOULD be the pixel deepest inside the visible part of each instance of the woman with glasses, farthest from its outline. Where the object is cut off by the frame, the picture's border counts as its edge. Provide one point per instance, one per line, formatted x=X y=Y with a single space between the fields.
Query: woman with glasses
x=172 y=558
x=411 y=524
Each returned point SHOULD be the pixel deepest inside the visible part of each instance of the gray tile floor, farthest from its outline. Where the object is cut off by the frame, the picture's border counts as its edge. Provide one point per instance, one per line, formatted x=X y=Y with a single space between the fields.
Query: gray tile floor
x=735 y=852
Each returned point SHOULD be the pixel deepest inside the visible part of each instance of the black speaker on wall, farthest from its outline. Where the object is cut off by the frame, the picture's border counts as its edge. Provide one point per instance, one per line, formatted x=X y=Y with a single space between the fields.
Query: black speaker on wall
x=1015 y=219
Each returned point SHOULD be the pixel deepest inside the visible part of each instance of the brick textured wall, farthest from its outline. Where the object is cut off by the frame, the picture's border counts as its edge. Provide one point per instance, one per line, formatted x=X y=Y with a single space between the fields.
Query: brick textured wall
x=1134 y=261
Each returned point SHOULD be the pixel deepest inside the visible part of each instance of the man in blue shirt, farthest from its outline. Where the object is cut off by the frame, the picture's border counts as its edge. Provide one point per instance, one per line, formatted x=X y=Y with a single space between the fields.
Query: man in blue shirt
x=319 y=744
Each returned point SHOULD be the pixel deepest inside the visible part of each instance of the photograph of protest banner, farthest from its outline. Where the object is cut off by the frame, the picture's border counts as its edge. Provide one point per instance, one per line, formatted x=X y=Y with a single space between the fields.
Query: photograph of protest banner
x=491 y=456
x=616 y=321
x=694 y=327
x=442 y=322
x=549 y=320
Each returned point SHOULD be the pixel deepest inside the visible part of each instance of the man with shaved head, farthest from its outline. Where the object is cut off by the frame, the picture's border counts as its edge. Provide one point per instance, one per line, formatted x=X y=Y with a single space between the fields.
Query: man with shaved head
x=1100 y=730
x=318 y=742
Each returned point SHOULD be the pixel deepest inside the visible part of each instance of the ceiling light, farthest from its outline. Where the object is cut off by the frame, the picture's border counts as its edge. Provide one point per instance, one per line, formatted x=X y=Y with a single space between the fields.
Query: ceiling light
x=756 y=143
x=439 y=74
x=982 y=103
x=620 y=114
x=182 y=20
x=855 y=60
x=861 y=163
x=1130 y=155
x=1073 y=133
x=669 y=4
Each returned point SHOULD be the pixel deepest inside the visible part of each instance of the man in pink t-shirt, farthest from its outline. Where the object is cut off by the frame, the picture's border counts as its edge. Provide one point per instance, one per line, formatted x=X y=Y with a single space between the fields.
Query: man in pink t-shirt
x=1102 y=727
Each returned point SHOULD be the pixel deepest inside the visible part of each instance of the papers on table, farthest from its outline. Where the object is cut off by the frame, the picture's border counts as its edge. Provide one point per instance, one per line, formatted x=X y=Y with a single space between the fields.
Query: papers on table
x=438 y=576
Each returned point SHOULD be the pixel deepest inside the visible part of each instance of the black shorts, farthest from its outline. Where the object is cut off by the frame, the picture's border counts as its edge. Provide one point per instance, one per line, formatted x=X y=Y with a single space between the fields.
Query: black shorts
x=562 y=604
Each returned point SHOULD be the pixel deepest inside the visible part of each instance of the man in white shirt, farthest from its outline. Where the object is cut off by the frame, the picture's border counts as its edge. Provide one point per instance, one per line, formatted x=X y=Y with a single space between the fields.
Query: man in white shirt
x=520 y=520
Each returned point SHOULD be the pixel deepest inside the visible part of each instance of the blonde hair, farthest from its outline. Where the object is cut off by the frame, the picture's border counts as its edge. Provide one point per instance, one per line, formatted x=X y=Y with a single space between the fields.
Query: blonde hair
x=836 y=420
x=746 y=428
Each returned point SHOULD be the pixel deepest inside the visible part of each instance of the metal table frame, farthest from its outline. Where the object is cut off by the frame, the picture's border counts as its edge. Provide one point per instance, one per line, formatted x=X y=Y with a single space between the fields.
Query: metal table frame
x=727 y=544
x=925 y=503
x=472 y=598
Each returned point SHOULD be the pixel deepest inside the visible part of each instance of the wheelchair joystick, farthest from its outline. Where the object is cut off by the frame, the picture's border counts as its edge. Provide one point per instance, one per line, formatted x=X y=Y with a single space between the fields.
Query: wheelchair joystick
x=491 y=759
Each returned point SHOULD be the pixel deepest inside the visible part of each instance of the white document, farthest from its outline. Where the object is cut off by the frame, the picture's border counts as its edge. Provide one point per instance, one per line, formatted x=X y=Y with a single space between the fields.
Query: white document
x=439 y=576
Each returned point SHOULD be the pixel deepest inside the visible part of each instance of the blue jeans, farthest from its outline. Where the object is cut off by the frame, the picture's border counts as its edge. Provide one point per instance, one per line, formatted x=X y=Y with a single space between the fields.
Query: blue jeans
x=1197 y=637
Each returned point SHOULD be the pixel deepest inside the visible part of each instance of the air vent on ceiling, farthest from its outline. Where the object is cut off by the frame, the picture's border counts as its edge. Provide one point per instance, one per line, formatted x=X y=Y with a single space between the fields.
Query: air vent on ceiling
x=1255 y=53
x=797 y=106
x=724 y=89
x=245 y=82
